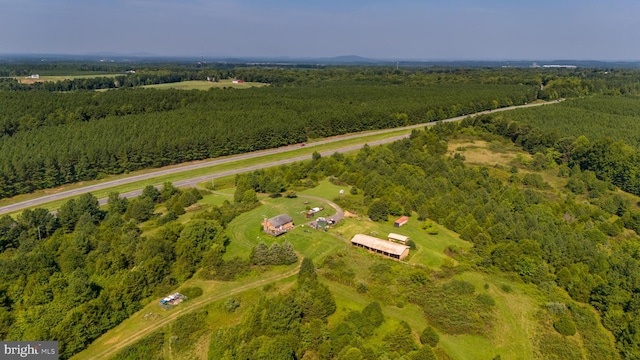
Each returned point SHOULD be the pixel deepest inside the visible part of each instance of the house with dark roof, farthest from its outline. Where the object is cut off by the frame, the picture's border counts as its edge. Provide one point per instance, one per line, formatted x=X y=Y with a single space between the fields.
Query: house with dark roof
x=277 y=225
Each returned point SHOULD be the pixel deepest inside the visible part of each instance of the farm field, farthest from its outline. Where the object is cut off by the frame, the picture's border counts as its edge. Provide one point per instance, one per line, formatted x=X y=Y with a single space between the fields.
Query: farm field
x=205 y=85
x=53 y=78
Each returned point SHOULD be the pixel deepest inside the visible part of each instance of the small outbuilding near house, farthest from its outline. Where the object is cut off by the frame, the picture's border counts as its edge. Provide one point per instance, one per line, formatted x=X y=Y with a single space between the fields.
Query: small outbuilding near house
x=401 y=221
x=278 y=225
x=398 y=238
x=379 y=246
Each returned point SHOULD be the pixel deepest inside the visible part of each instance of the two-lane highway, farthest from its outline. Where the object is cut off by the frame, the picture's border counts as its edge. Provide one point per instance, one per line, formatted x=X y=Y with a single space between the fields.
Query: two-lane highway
x=230 y=159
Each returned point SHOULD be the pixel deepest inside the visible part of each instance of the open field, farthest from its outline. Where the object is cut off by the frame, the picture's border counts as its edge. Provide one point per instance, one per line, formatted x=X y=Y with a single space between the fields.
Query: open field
x=246 y=231
x=54 y=78
x=205 y=85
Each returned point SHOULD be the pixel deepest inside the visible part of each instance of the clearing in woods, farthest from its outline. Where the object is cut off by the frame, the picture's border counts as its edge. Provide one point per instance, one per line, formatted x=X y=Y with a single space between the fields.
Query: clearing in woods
x=205 y=85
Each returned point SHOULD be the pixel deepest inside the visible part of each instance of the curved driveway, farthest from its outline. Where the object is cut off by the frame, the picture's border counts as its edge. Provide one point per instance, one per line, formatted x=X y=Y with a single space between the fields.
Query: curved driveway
x=193 y=181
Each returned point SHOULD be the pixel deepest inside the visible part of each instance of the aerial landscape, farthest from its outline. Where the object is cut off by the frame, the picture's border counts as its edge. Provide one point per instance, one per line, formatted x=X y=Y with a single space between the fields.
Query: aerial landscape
x=338 y=180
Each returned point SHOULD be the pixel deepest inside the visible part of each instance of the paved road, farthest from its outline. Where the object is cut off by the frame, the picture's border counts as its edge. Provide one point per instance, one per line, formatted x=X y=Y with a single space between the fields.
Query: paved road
x=230 y=159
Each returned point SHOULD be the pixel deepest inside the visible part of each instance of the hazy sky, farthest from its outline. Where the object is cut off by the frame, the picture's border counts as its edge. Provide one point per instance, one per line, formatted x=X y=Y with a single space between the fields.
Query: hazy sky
x=400 y=29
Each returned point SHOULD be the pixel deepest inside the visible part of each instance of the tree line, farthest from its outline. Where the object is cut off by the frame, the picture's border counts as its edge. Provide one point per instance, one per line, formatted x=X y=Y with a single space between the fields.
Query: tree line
x=515 y=226
x=166 y=128
x=73 y=276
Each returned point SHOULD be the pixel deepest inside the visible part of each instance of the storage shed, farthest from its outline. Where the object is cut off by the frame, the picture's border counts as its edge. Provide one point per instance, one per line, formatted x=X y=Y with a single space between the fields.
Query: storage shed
x=401 y=221
x=398 y=238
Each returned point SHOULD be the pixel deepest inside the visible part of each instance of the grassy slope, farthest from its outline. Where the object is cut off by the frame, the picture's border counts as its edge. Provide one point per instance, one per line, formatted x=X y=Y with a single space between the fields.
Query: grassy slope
x=513 y=335
x=138 y=326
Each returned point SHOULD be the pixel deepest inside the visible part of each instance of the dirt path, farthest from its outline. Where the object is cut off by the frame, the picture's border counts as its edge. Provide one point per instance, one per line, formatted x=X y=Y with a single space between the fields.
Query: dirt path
x=115 y=344
x=336 y=217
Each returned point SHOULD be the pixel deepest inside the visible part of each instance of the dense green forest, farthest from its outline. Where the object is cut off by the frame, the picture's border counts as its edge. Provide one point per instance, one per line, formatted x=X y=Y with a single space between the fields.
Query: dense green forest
x=53 y=133
x=73 y=276
x=517 y=226
x=615 y=162
x=616 y=117
x=82 y=136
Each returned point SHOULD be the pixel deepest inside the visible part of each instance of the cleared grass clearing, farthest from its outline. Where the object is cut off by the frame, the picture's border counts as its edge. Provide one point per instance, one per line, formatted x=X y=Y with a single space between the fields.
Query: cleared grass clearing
x=205 y=85
x=504 y=155
x=54 y=78
x=515 y=311
x=480 y=152
x=430 y=250
x=245 y=231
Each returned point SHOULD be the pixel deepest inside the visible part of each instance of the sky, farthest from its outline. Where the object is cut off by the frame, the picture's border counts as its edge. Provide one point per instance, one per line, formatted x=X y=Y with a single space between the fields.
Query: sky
x=394 y=30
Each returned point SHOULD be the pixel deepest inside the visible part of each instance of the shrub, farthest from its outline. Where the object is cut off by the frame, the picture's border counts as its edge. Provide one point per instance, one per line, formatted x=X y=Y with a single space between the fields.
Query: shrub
x=231 y=304
x=565 y=326
x=557 y=308
x=429 y=337
x=506 y=288
x=424 y=353
x=486 y=300
x=362 y=288
x=150 y=348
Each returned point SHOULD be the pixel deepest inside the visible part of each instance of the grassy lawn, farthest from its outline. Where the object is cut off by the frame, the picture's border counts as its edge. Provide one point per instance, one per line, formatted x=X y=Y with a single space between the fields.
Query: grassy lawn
x=216 y=199
x=326 y=190
x=205 y=85
x=430 y=250
x=245 y=231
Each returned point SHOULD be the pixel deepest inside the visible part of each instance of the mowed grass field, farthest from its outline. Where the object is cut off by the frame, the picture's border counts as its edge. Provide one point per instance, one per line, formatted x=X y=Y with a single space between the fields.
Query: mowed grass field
x=205 y=85
x=245 y=231
x=54 y=78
